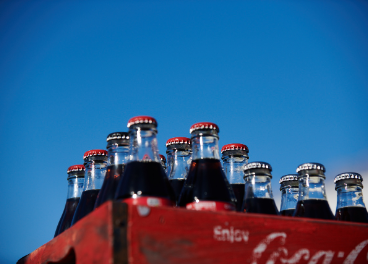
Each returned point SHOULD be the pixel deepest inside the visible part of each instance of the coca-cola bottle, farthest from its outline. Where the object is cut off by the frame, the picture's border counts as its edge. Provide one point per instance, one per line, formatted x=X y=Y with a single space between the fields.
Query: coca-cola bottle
x=163 y=162
x=350 y=205
x=289 y=187
x=206 y=187
x=258 y=197
x=234 y=157
x=95 y=162
x=75 y=189
x=179 y=153
x=118 y=155
x=312 y=200
x=144 y=181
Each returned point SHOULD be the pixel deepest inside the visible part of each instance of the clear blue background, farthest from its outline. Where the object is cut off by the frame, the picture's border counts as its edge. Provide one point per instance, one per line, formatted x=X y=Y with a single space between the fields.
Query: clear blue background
x=289 y=79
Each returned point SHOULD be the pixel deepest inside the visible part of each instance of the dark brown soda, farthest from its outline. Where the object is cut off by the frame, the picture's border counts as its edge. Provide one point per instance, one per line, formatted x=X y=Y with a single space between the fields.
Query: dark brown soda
x=86 y=204
x=177 y=186
x=260 y=206
x=70 y=207
x=288 y=212
x=239 y=189
x=110 y=184
x=144 y=179
x=314 y=208
x=58 y=226
x=352 y=214
x=206 y=182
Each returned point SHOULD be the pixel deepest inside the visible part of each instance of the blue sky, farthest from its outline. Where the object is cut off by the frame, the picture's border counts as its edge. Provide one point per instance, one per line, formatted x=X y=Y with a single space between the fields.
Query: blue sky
x=288 y=79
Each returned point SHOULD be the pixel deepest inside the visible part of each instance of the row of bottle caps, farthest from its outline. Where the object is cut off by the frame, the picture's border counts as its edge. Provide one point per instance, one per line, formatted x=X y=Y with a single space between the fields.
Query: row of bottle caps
x=131 y=170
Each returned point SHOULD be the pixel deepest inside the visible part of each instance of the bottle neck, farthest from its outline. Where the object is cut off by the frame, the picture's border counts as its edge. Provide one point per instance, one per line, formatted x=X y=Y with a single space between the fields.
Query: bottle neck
x=117 y=154
x=75 y=187
x=349 y=195
x=179 y=163
x=143 y=145
x=205 y=146
x=234 y=168
x=312 y=187
x=95 y=174
x=258 y=187
x=289 y=198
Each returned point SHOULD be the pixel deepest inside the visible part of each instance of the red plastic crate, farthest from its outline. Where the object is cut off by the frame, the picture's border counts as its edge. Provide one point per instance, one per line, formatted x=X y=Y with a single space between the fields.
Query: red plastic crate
x=121 y=233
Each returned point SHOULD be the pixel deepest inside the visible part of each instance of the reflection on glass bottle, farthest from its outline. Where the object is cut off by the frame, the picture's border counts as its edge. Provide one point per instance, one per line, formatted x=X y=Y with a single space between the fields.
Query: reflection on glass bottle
x=163 y=162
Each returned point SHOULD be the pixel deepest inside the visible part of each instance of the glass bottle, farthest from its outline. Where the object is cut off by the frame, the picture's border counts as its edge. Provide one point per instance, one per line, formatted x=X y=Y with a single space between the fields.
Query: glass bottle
x=179 y=153
x=118 y=155
x=234 y=157
x=312 y=200
x=95 y=162
x=206 y=187
x=350 y=205
x=258 y=197
x=144 y=181
x=289 y=194
x=163 y=162
x=75 y=189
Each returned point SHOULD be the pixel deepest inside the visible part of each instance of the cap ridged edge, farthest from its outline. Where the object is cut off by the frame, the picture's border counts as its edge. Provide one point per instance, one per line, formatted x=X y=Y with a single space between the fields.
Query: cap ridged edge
x=257 y=165
x=78 y=167
x=311 y=166
x=117 y=135
x=95 y=152
x=178 y=140
x=289 y=177
x=204 y=126
x=348 y=175
x=142 y=120
x=234 y=146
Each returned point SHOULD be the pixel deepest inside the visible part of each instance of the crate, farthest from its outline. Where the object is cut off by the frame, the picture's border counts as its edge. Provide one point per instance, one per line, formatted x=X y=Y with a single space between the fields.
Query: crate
x=121 y=233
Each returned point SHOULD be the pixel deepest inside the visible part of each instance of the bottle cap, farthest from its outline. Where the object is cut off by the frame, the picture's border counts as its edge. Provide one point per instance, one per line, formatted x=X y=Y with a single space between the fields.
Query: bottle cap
x=257 y=168
x=289 y=177
x=257 y=165
x=162 y=158
x=177 y=141
x=142 y=120
x=94 y=153
x=204 y=126
x=311 y=169
x=311 y=166
x=348 y=176
x=235 y=146
x=76 y=168
x=118 y=138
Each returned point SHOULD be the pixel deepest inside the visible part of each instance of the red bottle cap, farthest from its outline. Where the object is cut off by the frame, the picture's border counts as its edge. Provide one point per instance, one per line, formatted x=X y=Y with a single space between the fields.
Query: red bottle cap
x=204 y=125
x=142 y=120
x=76 y=168
x=162 y=157
x=234 y=146
x=178 y=140
x=95 y=152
